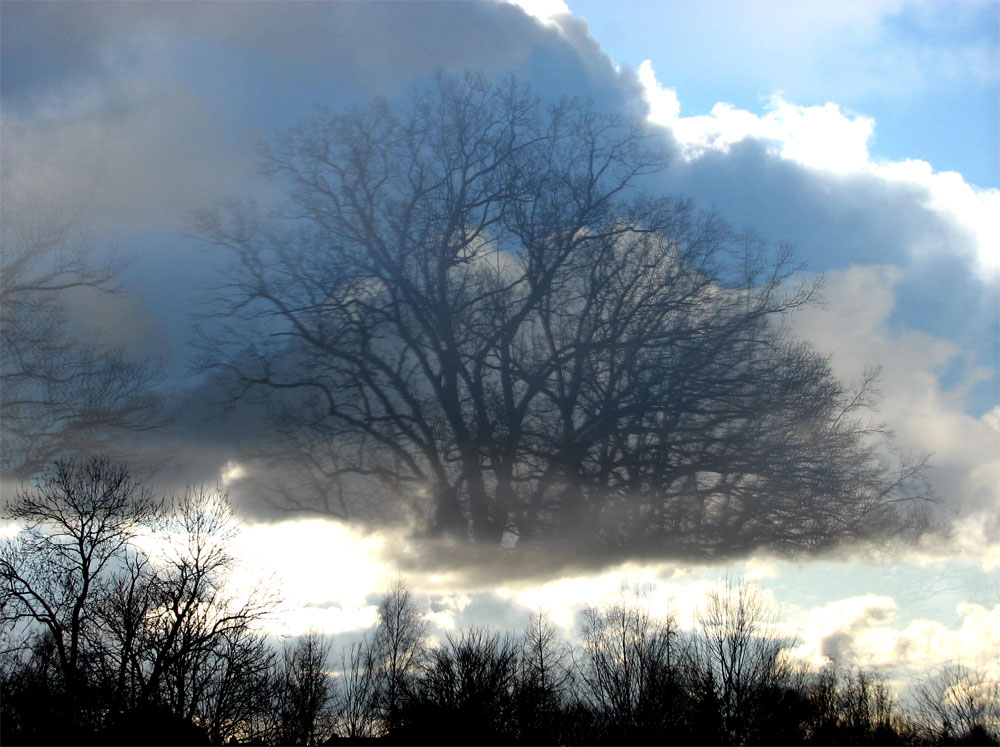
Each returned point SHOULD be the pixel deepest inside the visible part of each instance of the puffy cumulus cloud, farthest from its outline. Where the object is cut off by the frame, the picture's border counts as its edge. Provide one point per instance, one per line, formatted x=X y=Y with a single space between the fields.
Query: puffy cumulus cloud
x=805 y=175
x=972 y=536
x=448 y=613
x=664 y=590
x=835 y=143
x=818 y=136
x=864 y=632
x=856 y=328
x=950 y=196
x=828 y=633
x=443 y=611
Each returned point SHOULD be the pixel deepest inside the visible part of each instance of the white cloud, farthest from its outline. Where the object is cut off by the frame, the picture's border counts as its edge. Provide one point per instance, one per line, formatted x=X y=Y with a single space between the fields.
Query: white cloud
x=546 y=11
x=855 y=329
x=664 y=107
x=974 y=209
x=816 y=136
x=231 y=472
x=444 y=610
x=828 y=139
x=828 y=633
x=563 y=598
x=664 y=590
x=323 y=571
x=760 y=567
x=863 y=632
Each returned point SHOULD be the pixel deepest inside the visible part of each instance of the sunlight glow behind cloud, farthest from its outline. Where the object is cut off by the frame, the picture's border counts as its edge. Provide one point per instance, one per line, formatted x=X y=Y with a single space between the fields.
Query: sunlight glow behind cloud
x=546 y=11
x=324 y=571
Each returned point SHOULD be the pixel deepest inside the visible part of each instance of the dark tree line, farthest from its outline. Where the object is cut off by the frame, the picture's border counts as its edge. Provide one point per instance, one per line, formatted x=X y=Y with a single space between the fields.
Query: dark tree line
x=110 y=641
x=470 y=313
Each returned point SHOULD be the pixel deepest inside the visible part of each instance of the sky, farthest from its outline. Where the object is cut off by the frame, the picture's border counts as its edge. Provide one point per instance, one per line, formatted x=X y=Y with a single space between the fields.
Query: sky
x=865 y=133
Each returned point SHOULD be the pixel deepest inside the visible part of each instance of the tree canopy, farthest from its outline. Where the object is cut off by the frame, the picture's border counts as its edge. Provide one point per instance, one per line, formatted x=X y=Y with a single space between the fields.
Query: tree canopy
x=469 y=314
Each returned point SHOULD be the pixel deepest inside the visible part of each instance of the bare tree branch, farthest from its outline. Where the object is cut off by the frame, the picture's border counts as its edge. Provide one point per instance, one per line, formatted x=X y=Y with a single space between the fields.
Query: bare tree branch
x=468 y=316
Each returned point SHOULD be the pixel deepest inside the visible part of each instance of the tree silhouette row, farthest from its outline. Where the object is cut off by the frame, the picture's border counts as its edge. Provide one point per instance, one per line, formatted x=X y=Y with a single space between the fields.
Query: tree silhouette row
x=120 y=627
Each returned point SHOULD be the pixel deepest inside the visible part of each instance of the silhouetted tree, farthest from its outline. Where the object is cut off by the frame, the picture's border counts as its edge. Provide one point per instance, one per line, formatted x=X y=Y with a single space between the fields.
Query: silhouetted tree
x=60 y=393
x=77 y=522
x=466 y=691
x=236 y=690
x=123 y=613
x=357 y=701
x=160 y=662
x=378 y=675
x=867 y=708
x=32 y=707
x=634 y=675
x=469 y=307
x=959 y=705
x=740 y=650
x=397 y=650
x=194 y=613
x=849 y=707
x=128 y=638
x=306 y=691
x=545 y=677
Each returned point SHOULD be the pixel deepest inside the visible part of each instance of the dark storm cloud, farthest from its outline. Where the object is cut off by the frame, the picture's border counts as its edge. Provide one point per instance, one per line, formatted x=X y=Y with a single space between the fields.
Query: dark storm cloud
x=48 y=45
x=835 y=221
x=368 y=48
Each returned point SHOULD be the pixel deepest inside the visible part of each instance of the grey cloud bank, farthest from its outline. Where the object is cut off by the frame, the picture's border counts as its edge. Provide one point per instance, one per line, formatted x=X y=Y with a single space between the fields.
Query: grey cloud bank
x=135 y=114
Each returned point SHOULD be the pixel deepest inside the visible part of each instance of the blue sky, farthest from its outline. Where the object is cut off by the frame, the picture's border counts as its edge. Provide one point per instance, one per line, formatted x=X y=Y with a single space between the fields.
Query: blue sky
x=926 y=72
x=865 y=133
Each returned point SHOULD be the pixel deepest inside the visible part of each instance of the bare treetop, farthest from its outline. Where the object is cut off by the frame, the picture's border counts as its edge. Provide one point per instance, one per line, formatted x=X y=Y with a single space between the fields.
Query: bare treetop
x=469 y=316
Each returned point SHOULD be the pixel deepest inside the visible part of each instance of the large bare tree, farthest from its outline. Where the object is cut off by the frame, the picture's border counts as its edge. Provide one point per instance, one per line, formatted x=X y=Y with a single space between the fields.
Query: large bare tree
x=469 y=313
